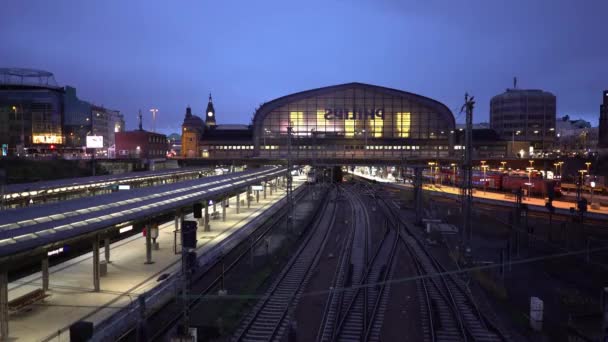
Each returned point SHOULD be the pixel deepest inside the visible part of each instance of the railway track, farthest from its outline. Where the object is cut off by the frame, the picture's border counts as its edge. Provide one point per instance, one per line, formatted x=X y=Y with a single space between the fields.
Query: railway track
x=450 y=312
x=205 y=281
x=355 y=311
x=269 y=318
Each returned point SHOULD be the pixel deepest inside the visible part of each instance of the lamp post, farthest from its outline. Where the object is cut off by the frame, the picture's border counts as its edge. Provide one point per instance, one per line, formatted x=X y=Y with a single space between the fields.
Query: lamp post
x=556 y=166
x=431 y=164
x=588 y=166
x=154 y=112
x=454 y=165
x=592 y=183
x=503 y=163
x=22 y=126
x=580 y=185
x=264 y=137
x=529 y=169
x=513 y=141
x=484 y=167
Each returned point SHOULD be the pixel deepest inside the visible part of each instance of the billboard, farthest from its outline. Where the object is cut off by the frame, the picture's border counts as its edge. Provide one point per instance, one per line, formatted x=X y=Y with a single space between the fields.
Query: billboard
x=94 y=141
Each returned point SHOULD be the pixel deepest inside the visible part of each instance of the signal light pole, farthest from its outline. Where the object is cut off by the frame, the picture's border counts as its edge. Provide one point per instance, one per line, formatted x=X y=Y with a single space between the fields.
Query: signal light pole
x=467 y=184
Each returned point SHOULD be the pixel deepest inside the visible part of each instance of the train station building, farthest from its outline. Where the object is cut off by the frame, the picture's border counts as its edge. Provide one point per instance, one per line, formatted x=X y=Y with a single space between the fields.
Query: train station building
x=347 y=122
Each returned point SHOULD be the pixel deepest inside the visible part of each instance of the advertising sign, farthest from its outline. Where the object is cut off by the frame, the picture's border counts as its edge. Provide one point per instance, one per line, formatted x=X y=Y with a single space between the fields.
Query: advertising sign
x=46 y=139
x=257 y=187
x=4 y=150
x=94 y=141
x=354 y=114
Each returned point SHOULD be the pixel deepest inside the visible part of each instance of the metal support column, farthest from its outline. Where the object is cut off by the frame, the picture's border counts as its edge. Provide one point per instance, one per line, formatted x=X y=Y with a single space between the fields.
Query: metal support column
x=4 y=305
x=418 y=193
x=265 y=185
x=96 y=274
x=238 y=203
x=106 y=246
x=249 y=197
x=45 y=273
x=176 y=230
x=257 y=196
x=206 y=217
x=224 y=204
x=149 y=246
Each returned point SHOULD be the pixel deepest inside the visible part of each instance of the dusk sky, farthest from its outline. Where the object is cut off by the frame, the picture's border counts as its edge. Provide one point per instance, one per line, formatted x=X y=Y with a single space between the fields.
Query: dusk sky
x=128 y=55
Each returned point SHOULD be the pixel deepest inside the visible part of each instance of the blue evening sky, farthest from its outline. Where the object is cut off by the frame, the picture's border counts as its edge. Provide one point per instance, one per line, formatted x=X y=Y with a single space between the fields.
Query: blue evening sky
x=128 y=55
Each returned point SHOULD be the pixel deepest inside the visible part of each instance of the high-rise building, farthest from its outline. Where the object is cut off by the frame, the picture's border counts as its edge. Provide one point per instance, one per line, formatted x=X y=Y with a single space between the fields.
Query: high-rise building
x=105 y=123
x=31 y=111
x=603 y=129
x=524 y=115
x=76 y=119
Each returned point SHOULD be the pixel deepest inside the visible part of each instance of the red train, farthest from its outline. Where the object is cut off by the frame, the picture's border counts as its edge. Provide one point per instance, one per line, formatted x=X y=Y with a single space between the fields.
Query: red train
x=506 y=182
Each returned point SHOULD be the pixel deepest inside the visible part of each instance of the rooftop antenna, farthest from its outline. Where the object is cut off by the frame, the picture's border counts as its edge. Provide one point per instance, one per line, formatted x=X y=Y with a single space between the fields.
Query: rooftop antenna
x=140 y=121
x=514 y=82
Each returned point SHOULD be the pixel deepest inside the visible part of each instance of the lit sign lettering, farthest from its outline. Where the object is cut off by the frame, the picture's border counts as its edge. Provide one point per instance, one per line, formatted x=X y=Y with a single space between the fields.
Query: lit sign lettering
x=125 y=229
x=46 y=139
x=55 y=251
x=357 y=114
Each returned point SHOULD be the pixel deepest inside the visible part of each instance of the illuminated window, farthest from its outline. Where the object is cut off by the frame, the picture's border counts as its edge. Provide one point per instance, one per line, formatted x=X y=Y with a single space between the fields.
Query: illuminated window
x=349 y=126
x=403 y=125
x=297 y=121
x=376 y=127
x=321 y=121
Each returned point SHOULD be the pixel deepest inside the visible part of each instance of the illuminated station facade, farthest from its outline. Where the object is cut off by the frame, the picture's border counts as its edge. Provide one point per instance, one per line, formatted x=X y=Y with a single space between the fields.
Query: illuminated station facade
x=351 y=122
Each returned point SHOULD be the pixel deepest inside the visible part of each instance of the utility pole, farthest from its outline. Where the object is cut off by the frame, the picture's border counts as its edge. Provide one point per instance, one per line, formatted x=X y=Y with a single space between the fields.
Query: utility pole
x=467 y=184
x=289 y=180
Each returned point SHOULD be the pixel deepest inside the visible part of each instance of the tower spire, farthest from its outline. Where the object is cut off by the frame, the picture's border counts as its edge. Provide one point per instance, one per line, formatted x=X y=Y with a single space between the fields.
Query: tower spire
x=140 y=121
x=210 y=113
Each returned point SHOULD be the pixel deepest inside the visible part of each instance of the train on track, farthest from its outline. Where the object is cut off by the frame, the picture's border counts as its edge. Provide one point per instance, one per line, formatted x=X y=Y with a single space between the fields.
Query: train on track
x=535 y=183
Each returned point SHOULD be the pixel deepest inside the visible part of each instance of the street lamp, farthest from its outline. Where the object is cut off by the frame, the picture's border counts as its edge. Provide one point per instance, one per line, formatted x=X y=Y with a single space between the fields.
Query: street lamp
x=529 y=169
x=588 y=166
x=484 y=167
x=503 y=163
x=556 y=166
x=431 y=164
x=154 y=111
x=592 y=183
x=453 y=165
x=514 y=134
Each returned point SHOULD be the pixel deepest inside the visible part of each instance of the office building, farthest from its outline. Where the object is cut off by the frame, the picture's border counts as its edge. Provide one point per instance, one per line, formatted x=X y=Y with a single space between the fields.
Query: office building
x=524 y=115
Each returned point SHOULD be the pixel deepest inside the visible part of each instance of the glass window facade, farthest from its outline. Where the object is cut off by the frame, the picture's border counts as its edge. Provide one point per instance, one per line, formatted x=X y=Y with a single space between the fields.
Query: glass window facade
x=352 y=113
x=354 y=121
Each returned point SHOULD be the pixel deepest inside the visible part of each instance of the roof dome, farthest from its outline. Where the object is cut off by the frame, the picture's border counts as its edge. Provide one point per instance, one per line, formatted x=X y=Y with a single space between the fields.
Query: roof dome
x=193 y=121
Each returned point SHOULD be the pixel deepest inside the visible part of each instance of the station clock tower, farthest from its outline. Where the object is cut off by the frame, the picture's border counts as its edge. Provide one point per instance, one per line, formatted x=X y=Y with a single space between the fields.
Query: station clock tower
x=210 y=113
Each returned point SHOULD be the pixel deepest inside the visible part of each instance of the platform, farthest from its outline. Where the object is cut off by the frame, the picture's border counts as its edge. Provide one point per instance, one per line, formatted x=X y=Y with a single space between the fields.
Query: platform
x=71 y=283
x=488 y=195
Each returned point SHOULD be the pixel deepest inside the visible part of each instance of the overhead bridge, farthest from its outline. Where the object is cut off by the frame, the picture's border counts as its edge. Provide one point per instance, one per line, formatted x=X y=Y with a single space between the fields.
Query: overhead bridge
x=33 y=230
